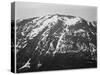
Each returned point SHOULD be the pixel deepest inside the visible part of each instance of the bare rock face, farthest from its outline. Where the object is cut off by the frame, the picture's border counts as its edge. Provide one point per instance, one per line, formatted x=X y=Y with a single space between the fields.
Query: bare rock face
x=54 y=42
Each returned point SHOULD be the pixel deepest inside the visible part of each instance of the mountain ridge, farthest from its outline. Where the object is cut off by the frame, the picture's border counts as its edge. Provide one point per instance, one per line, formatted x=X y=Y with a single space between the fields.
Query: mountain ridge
x=55 y=34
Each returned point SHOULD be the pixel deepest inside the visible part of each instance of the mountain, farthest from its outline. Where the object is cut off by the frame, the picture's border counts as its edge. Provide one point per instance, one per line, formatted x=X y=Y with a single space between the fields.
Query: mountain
x=54 y=42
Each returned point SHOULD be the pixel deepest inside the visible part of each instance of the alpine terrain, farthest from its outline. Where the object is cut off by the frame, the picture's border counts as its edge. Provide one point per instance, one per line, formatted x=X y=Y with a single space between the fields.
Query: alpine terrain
x=55 y=42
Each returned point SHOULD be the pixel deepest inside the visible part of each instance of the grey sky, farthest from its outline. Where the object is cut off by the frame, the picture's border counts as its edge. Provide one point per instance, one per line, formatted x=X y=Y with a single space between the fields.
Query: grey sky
x=30 y=9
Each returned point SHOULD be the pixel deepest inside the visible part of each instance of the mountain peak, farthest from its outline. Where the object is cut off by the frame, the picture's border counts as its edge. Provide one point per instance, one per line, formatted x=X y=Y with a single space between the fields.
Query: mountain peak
x=56 y=34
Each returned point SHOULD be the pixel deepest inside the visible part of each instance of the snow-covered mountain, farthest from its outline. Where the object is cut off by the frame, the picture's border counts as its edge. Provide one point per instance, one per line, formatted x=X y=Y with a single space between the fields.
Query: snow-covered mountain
x=42 y=38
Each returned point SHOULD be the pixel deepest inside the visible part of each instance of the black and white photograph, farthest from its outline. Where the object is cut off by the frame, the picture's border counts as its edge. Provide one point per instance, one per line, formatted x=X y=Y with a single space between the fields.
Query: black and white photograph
x=49 y=37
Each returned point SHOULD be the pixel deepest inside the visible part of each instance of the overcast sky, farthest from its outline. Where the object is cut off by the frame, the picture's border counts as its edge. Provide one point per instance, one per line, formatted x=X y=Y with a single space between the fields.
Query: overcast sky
x=30 y=9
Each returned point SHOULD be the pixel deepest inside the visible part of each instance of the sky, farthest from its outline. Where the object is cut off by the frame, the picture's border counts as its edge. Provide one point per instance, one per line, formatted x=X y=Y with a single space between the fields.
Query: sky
x=25 y=10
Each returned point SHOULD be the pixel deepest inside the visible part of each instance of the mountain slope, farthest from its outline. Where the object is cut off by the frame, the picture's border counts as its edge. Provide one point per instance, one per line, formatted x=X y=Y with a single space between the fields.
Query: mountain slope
x=43 y=39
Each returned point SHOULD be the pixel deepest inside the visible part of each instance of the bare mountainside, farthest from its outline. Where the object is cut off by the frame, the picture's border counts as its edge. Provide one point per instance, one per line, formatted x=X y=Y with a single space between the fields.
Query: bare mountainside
x=55 y=42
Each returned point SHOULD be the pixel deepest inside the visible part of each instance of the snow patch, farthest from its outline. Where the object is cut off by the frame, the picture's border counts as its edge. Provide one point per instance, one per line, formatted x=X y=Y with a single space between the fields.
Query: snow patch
x=27 y=65
x=72 y=21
